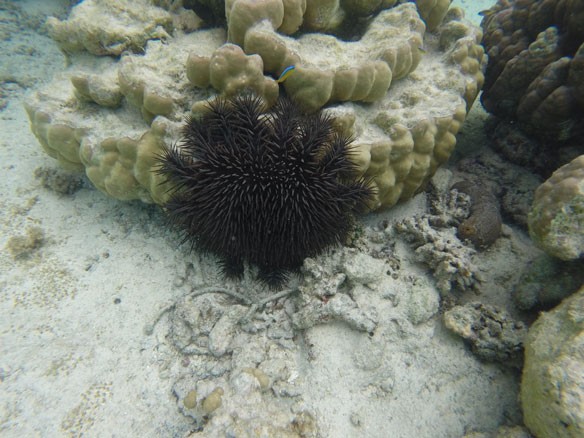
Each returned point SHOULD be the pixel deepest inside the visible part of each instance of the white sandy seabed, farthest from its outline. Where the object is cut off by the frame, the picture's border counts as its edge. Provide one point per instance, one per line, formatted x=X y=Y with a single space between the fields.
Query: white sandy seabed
x=90 y=335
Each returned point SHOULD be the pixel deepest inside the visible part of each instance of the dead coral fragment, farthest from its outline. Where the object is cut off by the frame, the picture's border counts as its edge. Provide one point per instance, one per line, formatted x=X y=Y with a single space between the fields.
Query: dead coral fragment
x=132 y=23
x=450 y=260
x=493 y=335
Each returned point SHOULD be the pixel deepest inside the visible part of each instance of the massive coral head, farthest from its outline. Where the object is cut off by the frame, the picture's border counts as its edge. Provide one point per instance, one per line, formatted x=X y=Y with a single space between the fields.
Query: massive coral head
x=268 y=187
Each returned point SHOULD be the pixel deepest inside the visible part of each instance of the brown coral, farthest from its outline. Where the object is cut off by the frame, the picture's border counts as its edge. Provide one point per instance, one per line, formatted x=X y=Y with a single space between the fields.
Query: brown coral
x=536 y=65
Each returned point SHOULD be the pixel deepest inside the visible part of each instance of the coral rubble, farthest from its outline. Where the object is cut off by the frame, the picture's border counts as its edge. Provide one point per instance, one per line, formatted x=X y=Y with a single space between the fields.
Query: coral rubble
x=492 y=334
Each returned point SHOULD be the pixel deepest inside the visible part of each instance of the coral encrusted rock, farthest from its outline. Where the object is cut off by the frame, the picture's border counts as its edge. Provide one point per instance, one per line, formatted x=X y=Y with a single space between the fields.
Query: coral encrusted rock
x=492 y=334
x=546 y=281
x=552 y=386
x=110 y=27
x=556 y=219
x=535 y=72
x=398 y=77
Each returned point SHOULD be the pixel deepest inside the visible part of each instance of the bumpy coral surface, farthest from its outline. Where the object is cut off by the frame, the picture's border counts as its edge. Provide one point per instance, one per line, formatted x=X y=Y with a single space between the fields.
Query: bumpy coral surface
x=556 y=219
x=130 y=23
x=535 y=72
x=492 y=333
x=399 y=77
x=552 y=386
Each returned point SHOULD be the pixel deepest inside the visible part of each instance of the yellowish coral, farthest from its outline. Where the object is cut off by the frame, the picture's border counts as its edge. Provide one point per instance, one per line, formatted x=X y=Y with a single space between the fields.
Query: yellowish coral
x=229 y=69
x=552 y=383
x=213 y=401
x=556 y=219
x=329 y=70
x=125 y=168
x=242 y=14
x=110 y=27
x=401 y=93
x=155 y=94
x=190 y=400
x=60 y=141
x=433 y=11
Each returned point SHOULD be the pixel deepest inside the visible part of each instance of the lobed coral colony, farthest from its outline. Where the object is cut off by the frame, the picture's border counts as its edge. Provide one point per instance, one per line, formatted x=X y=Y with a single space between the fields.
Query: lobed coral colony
x=535 y=82
x=535 y=73
x=401 y=89
x=399 y=83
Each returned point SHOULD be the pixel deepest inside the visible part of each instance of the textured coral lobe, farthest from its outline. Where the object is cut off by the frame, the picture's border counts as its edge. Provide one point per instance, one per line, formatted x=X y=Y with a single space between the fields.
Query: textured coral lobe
x=265 y=187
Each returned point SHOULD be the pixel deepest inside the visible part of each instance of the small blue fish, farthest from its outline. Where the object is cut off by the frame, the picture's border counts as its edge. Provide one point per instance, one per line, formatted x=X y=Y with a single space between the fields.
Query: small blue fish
x=287 y=71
